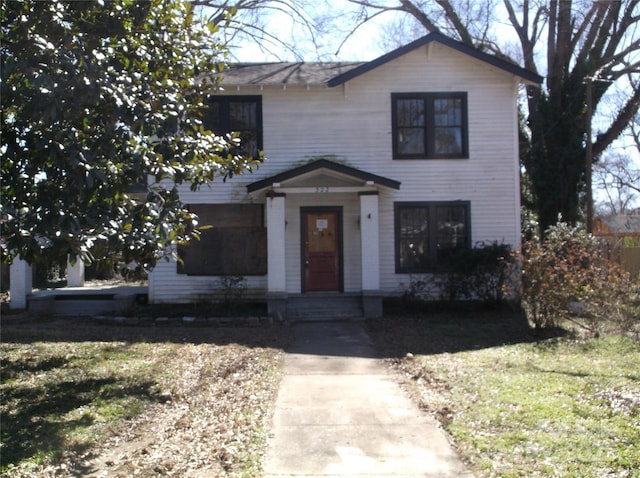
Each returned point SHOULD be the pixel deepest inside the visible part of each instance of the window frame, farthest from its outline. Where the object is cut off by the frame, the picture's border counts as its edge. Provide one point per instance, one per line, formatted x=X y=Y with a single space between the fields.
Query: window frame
x=224 y=115
x=432 y=238
x=429 y=99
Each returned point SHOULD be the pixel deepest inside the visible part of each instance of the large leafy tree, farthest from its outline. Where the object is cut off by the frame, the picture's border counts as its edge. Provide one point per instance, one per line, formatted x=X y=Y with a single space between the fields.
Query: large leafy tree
x=101 y=103
x=573 y=43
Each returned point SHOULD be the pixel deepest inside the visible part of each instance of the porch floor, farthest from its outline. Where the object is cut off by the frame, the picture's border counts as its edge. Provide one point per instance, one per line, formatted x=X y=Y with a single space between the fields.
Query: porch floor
x=84 y=301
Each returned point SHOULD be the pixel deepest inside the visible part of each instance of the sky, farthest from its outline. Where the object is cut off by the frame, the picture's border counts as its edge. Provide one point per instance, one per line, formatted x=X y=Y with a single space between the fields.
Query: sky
x=365 y=45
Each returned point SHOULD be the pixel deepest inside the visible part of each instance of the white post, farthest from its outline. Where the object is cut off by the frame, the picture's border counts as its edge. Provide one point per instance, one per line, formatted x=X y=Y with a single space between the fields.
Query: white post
x=370 y=241
x=75 y=273
x=21 y=283
x=275 y=213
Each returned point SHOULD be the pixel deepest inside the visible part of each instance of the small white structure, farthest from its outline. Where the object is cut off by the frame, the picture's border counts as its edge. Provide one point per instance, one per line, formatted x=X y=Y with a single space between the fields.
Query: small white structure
x=21 y=283
x=75 y=273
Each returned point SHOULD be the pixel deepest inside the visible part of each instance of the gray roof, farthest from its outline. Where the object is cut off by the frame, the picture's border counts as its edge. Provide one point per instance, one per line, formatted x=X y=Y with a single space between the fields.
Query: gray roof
x=623 y=223
x=299 y=73
x=336 y=73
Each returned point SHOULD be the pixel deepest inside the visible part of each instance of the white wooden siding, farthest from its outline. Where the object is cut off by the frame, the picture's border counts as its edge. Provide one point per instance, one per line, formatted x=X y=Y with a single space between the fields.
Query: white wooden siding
x=353 y=123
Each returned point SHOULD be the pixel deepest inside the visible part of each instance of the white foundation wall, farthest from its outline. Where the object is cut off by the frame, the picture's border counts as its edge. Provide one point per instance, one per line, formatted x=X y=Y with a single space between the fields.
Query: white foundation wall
x=352 y=124
x=167 y=286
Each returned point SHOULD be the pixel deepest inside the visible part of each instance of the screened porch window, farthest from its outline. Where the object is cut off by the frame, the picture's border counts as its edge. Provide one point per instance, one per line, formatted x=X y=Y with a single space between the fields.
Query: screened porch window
x=235 y=243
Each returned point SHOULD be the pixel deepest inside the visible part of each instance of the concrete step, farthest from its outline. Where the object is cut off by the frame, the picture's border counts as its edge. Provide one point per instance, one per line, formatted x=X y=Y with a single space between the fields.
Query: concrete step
x=322 y=307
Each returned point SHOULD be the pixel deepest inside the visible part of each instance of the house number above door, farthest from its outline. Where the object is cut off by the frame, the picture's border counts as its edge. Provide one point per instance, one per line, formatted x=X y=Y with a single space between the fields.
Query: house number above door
x=322 y=189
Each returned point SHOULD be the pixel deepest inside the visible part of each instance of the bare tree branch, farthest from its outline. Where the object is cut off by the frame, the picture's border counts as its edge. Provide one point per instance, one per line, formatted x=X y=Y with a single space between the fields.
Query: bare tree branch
x=461 y=28
x=249 y=20
x=620 y=122
x=412 y=9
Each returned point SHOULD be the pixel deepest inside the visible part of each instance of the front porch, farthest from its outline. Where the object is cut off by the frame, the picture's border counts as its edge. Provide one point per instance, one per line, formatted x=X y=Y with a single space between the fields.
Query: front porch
x=323 y=236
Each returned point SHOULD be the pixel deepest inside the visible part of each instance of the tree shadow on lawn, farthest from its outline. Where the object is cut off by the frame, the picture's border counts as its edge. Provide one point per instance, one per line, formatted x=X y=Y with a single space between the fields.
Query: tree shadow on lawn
x=441 y=329
x=36 y=425
x=24 y=330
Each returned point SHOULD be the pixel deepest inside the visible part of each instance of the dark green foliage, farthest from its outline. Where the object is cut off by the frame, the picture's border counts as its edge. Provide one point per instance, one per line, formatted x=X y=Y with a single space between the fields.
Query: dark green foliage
x=481 y=273
x=92 y=96
x=485 y=273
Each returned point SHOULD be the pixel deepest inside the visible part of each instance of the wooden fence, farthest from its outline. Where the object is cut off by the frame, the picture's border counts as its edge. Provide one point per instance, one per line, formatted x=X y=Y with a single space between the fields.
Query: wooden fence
x=628 y=257
x=630 y=260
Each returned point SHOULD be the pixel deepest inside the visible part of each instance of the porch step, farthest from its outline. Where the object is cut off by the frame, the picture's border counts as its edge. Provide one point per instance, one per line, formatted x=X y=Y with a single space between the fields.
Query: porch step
x=324 y=307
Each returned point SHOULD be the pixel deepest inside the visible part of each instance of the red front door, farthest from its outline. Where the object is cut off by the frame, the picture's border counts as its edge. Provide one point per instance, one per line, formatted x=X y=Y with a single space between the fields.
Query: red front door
x=321 y=250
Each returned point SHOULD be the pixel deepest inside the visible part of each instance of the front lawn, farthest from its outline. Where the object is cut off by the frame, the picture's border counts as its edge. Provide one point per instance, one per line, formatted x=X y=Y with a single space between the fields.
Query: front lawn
x=517 y=405
x=80 y=400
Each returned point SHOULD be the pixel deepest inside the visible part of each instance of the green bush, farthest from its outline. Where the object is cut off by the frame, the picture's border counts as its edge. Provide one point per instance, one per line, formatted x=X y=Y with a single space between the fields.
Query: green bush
x=566 y=276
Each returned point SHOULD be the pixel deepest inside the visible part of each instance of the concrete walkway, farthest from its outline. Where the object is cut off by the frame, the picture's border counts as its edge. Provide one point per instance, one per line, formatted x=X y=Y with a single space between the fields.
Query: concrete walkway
x=339 y=412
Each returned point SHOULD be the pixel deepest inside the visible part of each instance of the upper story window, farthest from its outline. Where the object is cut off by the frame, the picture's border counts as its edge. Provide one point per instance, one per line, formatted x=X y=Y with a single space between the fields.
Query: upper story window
x=237 y=114
x=429 y=125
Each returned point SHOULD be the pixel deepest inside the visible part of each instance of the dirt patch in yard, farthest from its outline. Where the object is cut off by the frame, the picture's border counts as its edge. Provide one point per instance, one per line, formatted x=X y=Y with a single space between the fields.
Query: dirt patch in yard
x=205 y=410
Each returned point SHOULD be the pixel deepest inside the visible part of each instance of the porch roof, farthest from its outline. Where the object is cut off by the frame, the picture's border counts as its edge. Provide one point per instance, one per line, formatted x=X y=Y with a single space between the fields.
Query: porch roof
x=321 y=165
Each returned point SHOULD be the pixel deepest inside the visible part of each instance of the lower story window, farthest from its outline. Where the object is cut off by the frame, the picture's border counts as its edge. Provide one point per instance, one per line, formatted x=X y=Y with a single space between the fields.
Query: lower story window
x=234 y=244
x=428 y=234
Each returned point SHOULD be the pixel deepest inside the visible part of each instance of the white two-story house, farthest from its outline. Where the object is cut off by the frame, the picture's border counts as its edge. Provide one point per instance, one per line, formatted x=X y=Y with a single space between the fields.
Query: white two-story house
x=374 y=171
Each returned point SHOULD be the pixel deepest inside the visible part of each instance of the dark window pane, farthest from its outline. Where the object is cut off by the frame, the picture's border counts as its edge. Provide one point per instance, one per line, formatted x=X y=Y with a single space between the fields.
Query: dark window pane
x=447 y=112
x=448 y=125
x=249 y=142
x=211 y=117
x=410 y=112
x=448 y=140
x=413 y=241
x=451 y=235
x=242 y=115
x=411 y=141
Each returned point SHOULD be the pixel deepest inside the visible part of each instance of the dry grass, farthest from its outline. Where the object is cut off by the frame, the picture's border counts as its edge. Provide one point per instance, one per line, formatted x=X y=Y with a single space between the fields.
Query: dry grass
x=519 y=405
x=87 y=400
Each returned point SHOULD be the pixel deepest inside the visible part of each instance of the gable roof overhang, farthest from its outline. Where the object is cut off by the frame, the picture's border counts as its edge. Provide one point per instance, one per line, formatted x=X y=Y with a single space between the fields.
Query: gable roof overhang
x=524 y=74
x=361 y=180
x=332 y=74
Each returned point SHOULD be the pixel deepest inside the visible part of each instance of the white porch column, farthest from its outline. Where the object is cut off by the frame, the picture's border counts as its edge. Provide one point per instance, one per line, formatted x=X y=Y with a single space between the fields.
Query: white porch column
x=370 y=241
x=21 y=283
x=275 y=214
x=370 y=250
x=75 y=273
